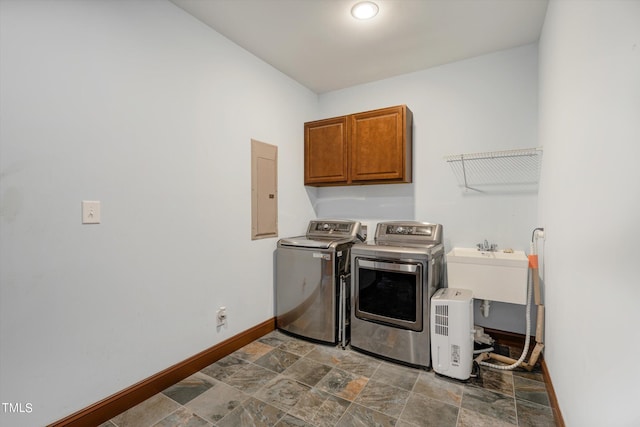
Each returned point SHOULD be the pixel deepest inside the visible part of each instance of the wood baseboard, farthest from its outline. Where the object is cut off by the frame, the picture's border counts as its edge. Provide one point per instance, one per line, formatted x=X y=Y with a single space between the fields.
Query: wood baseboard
x=511 y=339
x=553 y=399
x=108 y=408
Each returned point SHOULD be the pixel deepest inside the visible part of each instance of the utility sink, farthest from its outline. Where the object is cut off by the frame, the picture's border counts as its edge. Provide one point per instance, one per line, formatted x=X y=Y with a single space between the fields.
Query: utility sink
x=491 y=275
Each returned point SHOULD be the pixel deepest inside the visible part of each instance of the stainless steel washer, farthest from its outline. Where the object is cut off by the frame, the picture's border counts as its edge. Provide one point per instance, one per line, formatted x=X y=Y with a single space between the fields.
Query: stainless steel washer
x=392 y=284
x=312 y=281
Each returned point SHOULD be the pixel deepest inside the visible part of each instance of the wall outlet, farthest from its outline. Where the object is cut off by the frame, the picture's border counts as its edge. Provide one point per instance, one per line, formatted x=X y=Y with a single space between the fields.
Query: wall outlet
x=221 y=316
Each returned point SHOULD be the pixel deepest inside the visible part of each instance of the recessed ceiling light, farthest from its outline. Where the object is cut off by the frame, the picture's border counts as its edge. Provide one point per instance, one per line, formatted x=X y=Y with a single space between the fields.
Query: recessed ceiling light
x=364 y=10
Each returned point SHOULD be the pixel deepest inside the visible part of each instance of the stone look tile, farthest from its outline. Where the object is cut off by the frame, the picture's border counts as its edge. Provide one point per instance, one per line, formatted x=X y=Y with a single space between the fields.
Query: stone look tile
x=536 y=376
x=383 y=398
x=422 y=411
x=396 y=375
x=359 y=416
x=252 y=412
x=468 y=418
x=282 y=392
x=533 y=391
x=326 y=355
x=224 y=367
x=342 y=384
x=189 y=388
x=489 y=403
x=300 y=348
x=277 y=360
x=252 y=351
x=330 y=412
x=147 y=413
x=313 y=385
x=284 y=336
x=183 y=418
x=218 y=401
x=250 y=378
x=308 y=404
x=291 y=421
x=533 y=415
x=274 y=339
x=320 y=408
x=307 y=371
x=358 y=364
x=439 y=388
x=496 y=380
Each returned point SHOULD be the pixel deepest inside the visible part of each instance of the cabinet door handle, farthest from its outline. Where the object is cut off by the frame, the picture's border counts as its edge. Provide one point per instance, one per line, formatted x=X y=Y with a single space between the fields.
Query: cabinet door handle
x=272 y=196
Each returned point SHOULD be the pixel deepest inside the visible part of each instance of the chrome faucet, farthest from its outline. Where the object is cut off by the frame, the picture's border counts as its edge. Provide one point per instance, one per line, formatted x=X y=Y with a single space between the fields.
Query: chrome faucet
x=486 y=247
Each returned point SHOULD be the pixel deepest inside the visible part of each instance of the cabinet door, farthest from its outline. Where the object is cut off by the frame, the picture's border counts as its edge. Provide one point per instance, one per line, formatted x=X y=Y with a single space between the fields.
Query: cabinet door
x=325 y=151
x=381 y=145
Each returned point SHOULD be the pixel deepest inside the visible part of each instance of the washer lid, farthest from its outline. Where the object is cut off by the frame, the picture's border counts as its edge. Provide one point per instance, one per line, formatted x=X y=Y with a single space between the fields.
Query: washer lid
x=303 y=242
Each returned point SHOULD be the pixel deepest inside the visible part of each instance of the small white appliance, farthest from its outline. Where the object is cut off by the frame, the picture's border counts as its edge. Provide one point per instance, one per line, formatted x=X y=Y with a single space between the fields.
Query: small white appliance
x=452 y=332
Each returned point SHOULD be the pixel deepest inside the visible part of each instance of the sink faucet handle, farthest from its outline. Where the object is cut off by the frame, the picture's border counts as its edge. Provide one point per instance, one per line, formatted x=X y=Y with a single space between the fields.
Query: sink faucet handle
x=486 y=246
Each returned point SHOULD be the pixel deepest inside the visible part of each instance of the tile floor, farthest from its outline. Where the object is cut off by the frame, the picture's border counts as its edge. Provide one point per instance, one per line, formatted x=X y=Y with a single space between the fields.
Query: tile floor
x=281 y=381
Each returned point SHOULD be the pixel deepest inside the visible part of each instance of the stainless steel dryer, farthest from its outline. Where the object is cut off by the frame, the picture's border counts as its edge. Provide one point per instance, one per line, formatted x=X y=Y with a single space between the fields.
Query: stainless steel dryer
x=392 y=284
x=312 y=281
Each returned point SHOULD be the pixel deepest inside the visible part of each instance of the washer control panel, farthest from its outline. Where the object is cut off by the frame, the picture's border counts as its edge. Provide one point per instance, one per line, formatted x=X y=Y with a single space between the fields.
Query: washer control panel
x=333 y=228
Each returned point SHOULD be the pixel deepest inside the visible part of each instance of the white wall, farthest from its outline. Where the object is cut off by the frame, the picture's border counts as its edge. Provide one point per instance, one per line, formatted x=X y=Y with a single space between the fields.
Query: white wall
x=590 y=205
x=140 y=106
x=482 y=104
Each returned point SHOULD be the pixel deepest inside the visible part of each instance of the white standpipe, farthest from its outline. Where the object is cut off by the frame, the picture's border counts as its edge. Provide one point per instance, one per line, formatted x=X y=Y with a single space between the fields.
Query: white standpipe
x=531 y=284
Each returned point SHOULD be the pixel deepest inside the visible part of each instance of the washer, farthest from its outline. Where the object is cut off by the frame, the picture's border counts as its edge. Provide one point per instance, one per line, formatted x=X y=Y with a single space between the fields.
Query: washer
x=312 y=281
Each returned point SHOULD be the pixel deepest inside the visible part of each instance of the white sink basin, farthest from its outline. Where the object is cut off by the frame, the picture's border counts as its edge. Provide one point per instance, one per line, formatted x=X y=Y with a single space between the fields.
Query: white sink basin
x=496 y=276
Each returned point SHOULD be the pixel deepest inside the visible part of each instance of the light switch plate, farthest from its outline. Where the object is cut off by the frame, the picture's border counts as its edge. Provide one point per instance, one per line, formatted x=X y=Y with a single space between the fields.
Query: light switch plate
x=90 y=212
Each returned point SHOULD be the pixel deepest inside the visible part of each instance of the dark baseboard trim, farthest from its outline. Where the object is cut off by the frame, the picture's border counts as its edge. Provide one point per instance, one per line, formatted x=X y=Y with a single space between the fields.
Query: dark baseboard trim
x=108 y=408
x=513 y=339
x=553 y=399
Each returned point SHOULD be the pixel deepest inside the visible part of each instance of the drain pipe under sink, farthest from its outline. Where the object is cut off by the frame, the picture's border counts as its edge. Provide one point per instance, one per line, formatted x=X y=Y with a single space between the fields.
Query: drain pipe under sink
x=481 y=359
x=484 y=307
x=533 y=268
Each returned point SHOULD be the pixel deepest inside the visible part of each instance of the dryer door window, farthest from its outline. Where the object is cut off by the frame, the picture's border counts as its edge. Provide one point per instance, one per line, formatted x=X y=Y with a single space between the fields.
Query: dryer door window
x=389 y=292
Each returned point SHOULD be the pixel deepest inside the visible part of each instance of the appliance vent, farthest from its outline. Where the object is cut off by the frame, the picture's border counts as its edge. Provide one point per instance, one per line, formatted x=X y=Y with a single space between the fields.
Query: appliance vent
x=442 y=320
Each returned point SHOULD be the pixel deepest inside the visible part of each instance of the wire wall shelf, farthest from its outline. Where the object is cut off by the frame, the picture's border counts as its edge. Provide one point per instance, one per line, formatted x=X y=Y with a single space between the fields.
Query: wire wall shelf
x=497 y=169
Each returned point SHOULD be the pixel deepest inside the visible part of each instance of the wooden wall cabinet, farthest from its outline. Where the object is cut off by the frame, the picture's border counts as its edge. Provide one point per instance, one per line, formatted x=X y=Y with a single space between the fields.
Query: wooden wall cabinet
x=372 y=147
x=326 y=152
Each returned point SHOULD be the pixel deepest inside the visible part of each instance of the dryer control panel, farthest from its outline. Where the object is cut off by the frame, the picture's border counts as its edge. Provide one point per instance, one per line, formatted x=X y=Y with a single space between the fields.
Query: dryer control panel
x=408 y=232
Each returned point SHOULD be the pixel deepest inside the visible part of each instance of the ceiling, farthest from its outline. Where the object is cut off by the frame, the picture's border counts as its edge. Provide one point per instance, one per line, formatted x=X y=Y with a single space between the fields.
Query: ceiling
x=319 y=44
